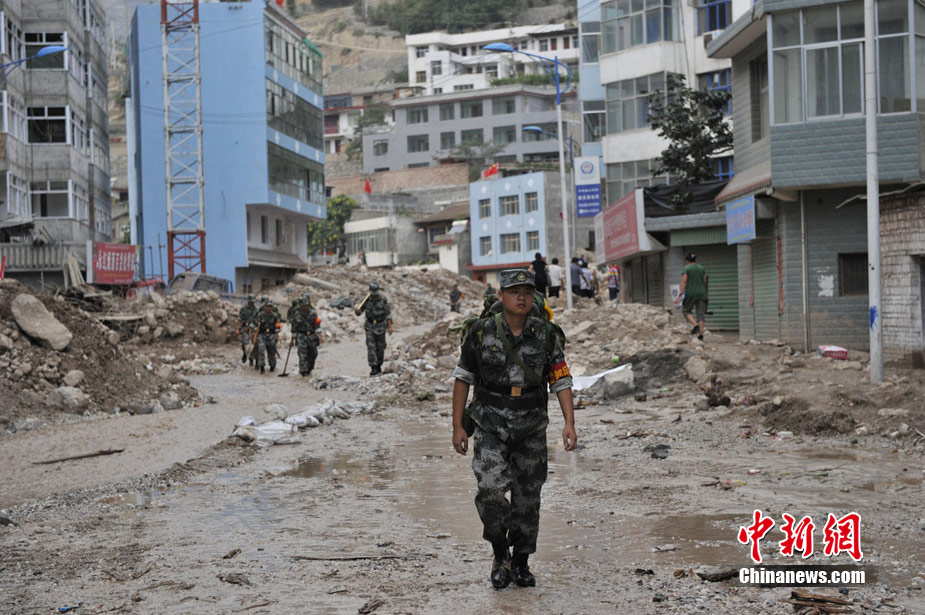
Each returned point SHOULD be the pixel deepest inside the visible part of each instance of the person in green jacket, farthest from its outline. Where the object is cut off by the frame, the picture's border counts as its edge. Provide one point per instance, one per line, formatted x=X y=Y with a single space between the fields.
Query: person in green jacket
x=694 y=285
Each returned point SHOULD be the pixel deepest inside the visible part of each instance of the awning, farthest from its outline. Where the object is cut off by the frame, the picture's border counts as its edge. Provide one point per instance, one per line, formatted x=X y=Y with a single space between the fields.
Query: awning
x=750 y=180
x=14 y=220
x=459 y=226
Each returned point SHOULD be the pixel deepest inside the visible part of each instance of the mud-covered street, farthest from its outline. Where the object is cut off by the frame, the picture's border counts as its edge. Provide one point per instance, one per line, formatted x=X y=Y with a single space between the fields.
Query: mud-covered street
x=376 y=514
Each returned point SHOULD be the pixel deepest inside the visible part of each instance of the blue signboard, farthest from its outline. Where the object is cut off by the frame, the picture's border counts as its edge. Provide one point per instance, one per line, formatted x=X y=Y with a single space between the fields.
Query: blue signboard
x=588 y=198
x=740 y=220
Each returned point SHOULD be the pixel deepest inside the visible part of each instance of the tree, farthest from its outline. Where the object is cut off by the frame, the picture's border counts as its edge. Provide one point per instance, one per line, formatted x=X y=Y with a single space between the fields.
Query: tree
x=330 y=231
x=373 y=115
x=476 y=154
x=694 y=123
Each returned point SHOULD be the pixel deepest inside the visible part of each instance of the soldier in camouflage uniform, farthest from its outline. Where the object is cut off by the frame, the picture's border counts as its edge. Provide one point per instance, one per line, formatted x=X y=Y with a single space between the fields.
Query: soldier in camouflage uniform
x=378 y=322
x=292 y=309
x=511 y=357
x=455 y=298
x=267 y=323
x=245 y=317
x=305 y=325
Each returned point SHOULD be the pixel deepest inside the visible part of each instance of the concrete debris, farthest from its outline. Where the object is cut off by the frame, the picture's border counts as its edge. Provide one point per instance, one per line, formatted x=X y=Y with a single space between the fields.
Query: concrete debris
x=697 y=369
x=38 y=323
x=73 y=378
x=68 y=397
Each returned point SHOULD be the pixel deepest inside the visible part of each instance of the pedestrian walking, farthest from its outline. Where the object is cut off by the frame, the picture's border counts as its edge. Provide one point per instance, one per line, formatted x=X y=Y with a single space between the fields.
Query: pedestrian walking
x=267 y=322
x=538 y=267
x=584 y=275
x=694 y=295
x=305 y=329
x=554 y=272
x=455 y=298
x=575 y=275
x=511 y=358
x=613 y=281
x=378 y=323
x=246 y=326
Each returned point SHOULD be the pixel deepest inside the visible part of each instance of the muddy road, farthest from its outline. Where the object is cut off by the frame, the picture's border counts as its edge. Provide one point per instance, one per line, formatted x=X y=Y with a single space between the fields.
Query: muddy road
x=376 y=513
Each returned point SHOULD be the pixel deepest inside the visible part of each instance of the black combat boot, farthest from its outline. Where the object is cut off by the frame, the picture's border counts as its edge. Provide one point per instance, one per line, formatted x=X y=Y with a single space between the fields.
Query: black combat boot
x=375 y=371
x=500 y=567
x=243 y=356
x=521 y=571
x=261 y=369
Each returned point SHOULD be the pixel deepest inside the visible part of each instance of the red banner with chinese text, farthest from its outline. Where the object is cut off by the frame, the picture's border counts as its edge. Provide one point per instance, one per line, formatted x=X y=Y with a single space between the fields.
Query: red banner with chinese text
x=113 y=263
x=621 y=235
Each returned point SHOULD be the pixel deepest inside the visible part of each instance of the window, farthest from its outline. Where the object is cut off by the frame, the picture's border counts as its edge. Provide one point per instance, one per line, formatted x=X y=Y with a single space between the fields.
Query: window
x=36 y=41
x=531 y=202
x=295 y=117
x=826 y=56
x=447 y=112
x=491 y=72
x=470 y=109
x=624 y=177
x=722 y=167
x=264 y=230
x=510 y=243
x=547 y=133
x=17 y=197
x=533 y=239
x=418 y=143
x=758 y=92
x=590 y=42
x=417 y=165
x=447 y=140
x=47 y=124
x=380 y=147
x=484 y=246
x=502 y=135
x=14 y=116
x=474 y=136
x=852 y=274
x=421 y=51
x=553 y=42
x=420 y=76
x=292 y=57
x=436 y=67
x=713 y=15
x=460 y=88
x=510 y=205
x=279 y=232
x=503 y=105
x=544 y=44
x=13 y=39
x=438 y=90
x=719 y=81
x=594 y=119
x=484 y=209
x=566 y=42
x=51 y=199
x=79 y=137
x=416 y=115
x=295 y=175
x=627 y=102
x=627 y=23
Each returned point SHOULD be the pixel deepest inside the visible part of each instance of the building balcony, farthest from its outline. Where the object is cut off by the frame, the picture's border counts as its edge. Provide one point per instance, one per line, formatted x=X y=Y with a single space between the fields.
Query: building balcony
x=32 y=257
x=331 y=130
x=274 y=258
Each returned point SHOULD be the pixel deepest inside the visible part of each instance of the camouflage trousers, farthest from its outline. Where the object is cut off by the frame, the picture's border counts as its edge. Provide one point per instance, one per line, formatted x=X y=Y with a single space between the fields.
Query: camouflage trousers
x=266 y=350
x=308 y=351
x=516 y=465
x=245 y=338
x=375 y=344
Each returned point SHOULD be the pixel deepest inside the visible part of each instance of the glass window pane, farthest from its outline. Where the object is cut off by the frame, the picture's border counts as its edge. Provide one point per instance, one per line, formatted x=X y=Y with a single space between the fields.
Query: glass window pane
x=636 y=5
x=608 y=10
x=629 y=170
x=788 y=86
x=638 y=38
x=608 y=38
x=894 y=75
x=851 y=78
x=653 y=26
x=819 y=25
x=642 y=85
x=656 y=82
x=626 y=89
x=892 y=17
x=920 y=73
x=629 y=116
x=919 y=19
x=642 y=168
x=822 y=82
x=642 y=112
x=590 y=44
x=614 y=171
x=851 y=16
x=785 y=30
x=623 y=7
x=669 y=29
x=614 y=117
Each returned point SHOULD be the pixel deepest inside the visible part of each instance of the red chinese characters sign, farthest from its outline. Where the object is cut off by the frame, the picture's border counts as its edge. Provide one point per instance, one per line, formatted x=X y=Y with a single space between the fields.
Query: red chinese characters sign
x=113 y=263
x=621 y=231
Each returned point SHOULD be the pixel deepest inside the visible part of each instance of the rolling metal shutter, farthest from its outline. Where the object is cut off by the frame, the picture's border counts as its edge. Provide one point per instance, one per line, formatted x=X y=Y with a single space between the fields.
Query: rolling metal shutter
x=638 y=282
x=655 y=291
x=765 y=282
x=721 y=264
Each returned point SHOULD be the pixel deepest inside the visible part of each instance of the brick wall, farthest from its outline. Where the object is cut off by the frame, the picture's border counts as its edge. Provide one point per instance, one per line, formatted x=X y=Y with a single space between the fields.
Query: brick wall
x=404 y=179
x=902 y=250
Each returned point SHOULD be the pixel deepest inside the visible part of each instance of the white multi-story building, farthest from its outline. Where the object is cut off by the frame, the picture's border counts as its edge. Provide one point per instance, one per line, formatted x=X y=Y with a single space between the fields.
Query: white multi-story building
x=441 y=63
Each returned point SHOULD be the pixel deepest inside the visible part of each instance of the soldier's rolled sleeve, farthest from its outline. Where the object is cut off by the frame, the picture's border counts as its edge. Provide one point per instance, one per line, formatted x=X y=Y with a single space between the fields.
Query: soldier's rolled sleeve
x=561 y=384
x=559 y=368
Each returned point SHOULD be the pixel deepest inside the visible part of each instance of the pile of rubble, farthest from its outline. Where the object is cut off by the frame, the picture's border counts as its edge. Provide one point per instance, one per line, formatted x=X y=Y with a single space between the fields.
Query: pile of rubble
x=57 y=360
x=284 y=429
x=184 y=317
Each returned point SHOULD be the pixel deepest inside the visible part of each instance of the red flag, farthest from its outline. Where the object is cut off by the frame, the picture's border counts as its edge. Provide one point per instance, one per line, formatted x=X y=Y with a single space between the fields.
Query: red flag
x=280 y=3
x=368 y=188
x=492 y=170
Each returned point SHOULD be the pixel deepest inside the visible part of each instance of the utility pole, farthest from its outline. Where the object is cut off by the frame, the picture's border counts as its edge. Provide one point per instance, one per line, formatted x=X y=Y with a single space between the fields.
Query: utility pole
x=873 y=195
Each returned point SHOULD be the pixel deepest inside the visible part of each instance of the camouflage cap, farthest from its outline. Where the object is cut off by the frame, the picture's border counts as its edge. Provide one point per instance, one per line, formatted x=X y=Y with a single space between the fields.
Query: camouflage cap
x=250 y=297
x=264 y=298
x=374 y=286
x=515 y=277
x=295 y=301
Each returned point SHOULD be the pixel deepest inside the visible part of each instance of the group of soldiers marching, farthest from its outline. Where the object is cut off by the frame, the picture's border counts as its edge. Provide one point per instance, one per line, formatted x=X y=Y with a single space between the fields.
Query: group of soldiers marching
x=260 y=326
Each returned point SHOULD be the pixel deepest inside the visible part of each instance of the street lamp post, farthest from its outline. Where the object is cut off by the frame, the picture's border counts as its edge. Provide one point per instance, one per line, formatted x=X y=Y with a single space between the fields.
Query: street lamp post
x=9 y=67
x=552 y=68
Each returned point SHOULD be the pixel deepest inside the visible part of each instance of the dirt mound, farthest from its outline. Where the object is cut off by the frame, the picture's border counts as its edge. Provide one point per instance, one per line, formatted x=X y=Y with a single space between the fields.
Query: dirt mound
x=107 y=378
x=662 y=368
x=180 y=318
x=795 y=415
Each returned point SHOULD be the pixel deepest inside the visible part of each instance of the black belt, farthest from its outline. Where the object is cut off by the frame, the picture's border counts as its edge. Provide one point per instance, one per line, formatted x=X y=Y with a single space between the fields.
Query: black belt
x=532 y=399
x=508 y=391
x=372 y=321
